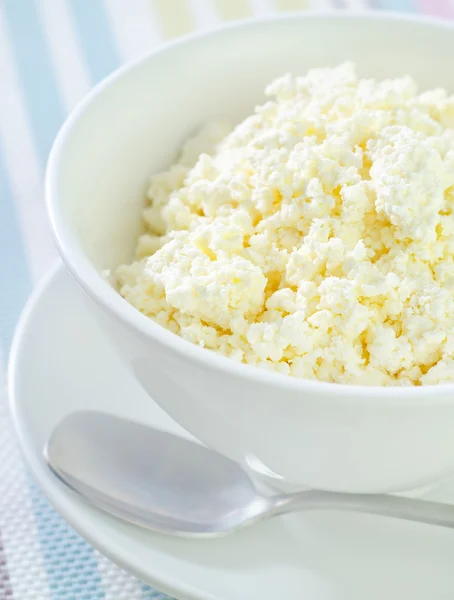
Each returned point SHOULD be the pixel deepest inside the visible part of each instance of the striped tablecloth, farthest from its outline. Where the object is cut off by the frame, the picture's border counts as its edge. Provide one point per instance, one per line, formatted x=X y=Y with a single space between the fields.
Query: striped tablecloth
x=51 y=53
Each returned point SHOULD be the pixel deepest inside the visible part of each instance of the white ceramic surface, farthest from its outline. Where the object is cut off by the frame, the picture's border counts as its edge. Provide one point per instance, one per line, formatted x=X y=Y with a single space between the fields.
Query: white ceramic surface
x=327 y=436
x=61 y=362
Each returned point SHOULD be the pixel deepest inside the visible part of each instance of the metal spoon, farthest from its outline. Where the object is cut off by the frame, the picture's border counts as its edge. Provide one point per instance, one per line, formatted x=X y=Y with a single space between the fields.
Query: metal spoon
x=174 y=486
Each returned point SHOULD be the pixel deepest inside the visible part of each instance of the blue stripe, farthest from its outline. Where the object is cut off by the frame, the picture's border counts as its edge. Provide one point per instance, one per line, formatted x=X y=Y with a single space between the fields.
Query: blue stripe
x=400 y=5
x=14 y=273
x=96 y=37
x=71 y=564
x=151 y=594
x=38 y=84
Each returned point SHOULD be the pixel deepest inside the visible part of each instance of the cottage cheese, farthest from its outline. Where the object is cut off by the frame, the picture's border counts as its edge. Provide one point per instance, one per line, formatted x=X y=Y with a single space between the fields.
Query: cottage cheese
x=316 y=239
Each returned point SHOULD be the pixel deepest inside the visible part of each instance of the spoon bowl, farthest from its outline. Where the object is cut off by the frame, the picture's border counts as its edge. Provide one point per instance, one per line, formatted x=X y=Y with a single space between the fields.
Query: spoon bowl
x=152 y=477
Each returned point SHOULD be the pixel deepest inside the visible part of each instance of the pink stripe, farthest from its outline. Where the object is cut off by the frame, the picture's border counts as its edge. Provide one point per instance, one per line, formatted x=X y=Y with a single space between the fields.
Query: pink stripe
x=6 y=591
x=442 y=8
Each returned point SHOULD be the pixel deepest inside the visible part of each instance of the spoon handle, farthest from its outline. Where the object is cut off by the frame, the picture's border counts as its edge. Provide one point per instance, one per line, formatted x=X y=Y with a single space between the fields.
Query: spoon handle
x=410 y=509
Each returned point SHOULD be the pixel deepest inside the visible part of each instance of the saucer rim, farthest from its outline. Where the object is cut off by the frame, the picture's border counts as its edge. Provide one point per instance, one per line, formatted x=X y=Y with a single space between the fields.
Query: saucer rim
x=61 y=499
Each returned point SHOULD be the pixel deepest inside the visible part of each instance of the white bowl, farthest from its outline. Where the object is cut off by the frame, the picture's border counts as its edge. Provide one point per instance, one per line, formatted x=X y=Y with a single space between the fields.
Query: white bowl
x=329 y=436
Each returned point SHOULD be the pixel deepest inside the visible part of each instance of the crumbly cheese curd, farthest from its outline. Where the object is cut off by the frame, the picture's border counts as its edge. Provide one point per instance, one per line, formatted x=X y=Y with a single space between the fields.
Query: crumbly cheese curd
x=316 y=238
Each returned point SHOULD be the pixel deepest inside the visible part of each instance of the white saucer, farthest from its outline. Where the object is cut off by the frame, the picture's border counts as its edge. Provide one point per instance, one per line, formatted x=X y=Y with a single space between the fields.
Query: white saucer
x=61 y=362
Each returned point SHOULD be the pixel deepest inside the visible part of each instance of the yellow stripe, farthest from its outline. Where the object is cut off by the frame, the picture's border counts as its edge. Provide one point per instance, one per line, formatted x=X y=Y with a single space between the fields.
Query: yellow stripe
x=175 y=17
x=230 y=10
x=291 y=4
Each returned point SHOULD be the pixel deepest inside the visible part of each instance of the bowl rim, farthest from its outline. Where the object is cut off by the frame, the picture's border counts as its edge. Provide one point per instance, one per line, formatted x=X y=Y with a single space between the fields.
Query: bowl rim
x=108 y=299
